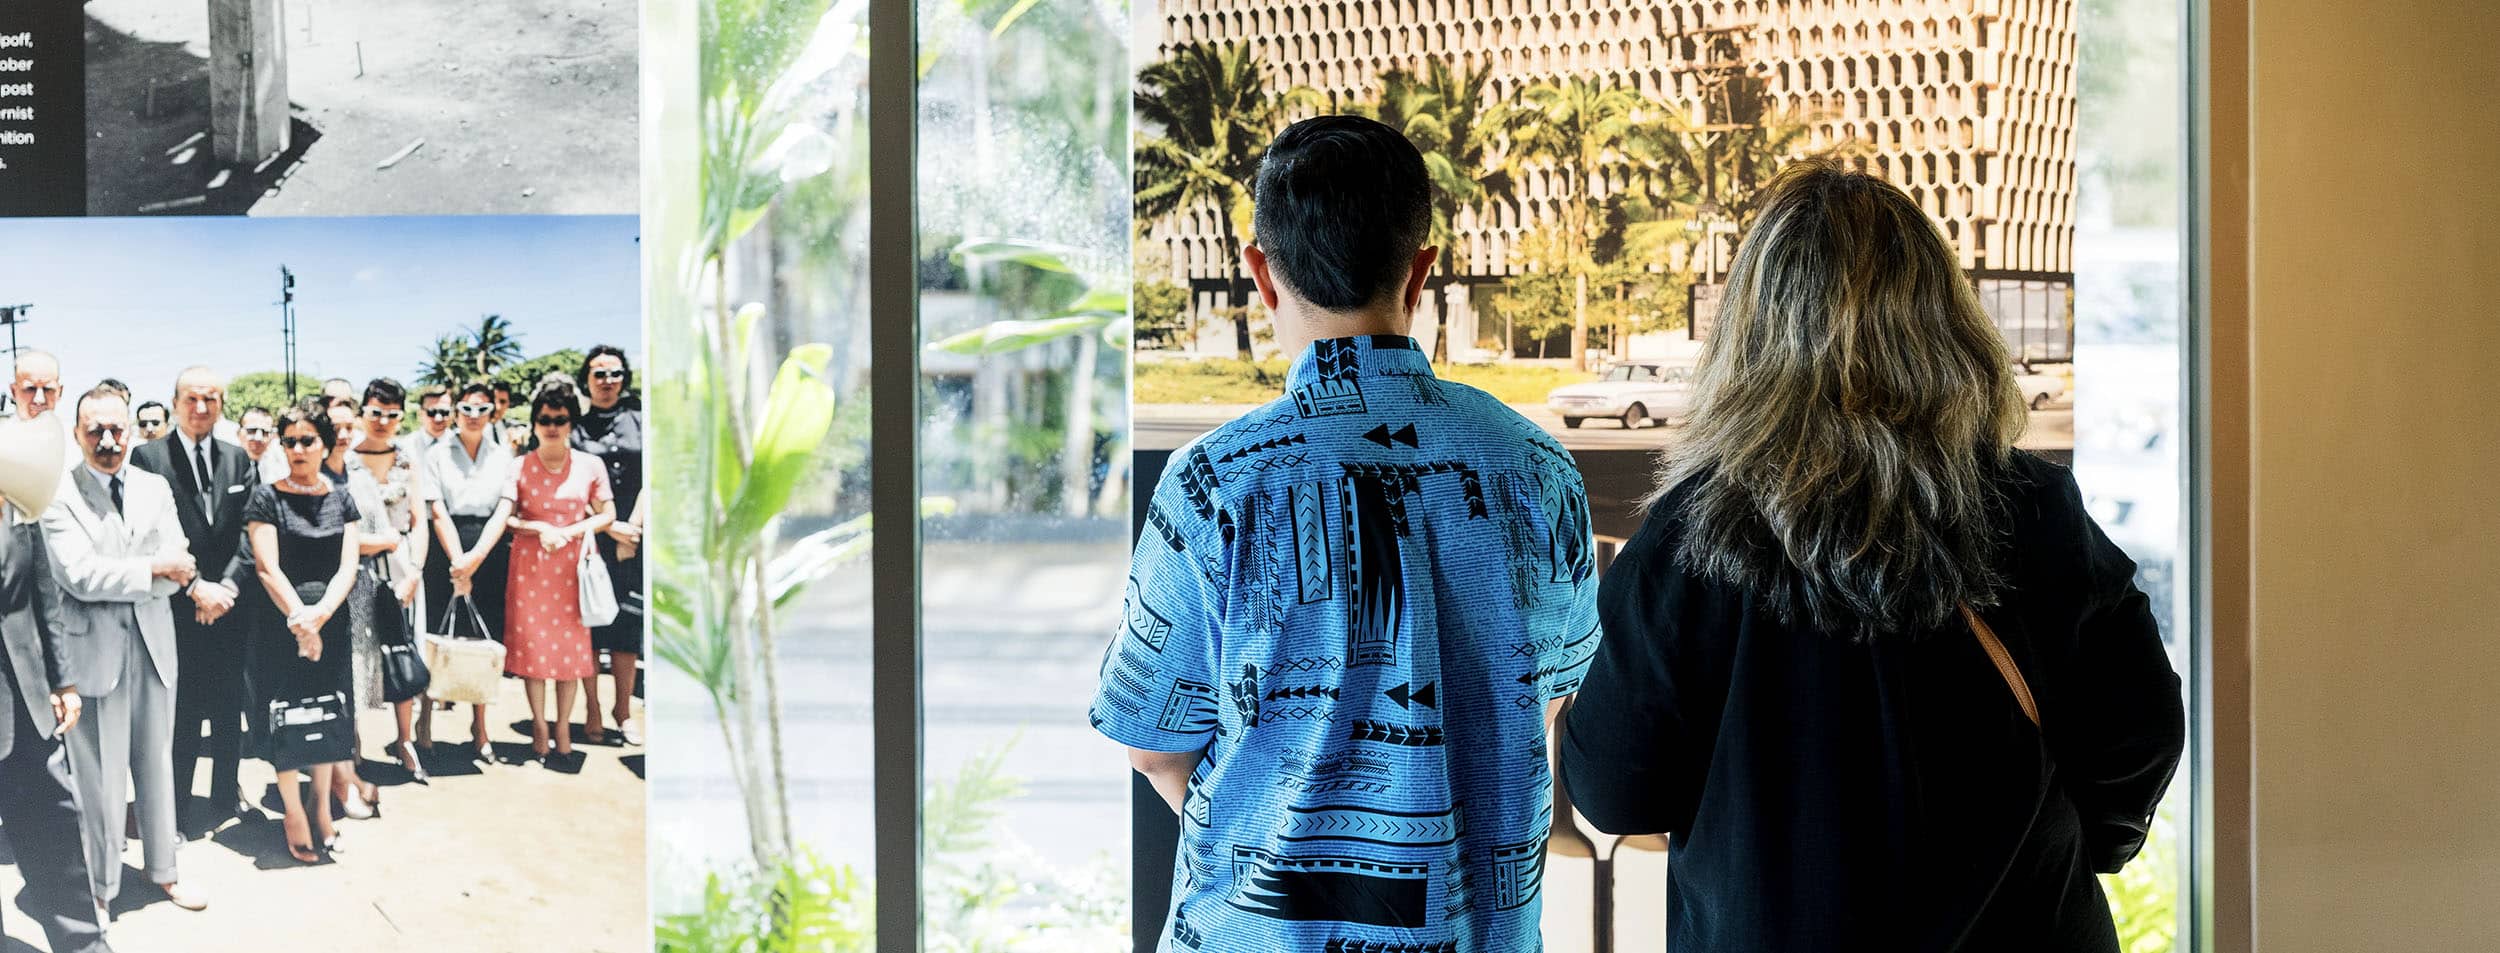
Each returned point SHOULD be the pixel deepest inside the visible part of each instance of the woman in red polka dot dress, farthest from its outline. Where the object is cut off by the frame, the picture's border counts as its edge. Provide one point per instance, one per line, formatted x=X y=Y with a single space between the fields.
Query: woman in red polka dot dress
x=558 y=499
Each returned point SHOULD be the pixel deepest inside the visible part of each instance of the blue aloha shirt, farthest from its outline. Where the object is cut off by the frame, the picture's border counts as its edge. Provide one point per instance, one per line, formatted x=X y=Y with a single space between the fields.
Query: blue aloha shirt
x=1358 y=599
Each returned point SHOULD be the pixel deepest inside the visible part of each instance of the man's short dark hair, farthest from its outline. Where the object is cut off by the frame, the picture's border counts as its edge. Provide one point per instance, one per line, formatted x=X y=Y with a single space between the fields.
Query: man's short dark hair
x=386 y=392
x=1343 y=203
x=433 y=392
x=151 y=405
x=480 y=388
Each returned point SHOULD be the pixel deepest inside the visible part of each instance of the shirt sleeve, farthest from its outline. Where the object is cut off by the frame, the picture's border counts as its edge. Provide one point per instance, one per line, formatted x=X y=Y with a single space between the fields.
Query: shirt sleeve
x=512 y=484
x=600 y=491
x=1158 y=677
x=1570 y=596
x=1623 y=743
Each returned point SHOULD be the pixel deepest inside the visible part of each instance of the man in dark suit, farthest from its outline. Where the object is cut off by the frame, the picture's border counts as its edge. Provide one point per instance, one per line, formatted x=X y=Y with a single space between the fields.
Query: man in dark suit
x=212 y=479
x=39 y=703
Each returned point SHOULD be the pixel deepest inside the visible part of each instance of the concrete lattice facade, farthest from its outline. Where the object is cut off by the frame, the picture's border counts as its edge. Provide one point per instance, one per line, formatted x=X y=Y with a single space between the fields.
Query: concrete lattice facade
x=1969 y=105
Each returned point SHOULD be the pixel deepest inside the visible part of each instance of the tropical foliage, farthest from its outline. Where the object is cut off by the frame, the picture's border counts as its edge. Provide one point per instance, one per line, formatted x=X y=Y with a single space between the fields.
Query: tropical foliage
x=1212 y=114
x=1625 y=192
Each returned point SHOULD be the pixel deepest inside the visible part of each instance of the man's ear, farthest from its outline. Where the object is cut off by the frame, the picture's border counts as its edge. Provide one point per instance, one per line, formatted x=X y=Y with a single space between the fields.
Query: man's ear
x=1256 y=260
x=1417 y=274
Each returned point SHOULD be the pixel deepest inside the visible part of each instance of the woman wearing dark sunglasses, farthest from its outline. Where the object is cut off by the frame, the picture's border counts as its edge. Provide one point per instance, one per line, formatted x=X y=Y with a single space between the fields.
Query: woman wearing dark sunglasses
x=557 y=499
x=302 y=530
x=612 y=428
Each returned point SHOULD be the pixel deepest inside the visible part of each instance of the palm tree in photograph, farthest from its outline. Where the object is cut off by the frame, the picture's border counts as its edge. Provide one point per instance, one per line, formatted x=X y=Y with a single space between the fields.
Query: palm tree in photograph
x=1444 y=112
x=1211 y=115
x=1574 y=128
x=493 y=345
x=447 y=364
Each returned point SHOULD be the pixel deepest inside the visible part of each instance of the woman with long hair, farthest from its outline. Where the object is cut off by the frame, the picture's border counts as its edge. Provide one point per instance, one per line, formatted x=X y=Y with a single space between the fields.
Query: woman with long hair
x=556 y=500
x=1798 y=679
x=302 y=530
x=612 y=427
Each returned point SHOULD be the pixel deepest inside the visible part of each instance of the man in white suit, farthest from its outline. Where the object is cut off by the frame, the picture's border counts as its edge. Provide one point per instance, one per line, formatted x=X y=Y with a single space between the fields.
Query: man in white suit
x=119 y=555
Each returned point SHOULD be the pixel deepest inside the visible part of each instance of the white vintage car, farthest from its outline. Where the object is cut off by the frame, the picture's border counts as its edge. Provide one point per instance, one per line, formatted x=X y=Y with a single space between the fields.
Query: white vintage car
x=2042 y=385
x=1632 y=392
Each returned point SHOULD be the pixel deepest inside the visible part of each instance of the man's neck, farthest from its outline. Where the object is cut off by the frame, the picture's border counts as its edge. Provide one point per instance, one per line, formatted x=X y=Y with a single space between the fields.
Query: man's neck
x=1324 y=325
x=195 y=439
x=472 y=441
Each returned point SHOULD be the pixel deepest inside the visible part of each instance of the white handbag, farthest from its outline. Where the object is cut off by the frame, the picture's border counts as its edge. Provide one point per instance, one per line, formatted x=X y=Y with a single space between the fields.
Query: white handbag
x=464 y=669
x=598 y=594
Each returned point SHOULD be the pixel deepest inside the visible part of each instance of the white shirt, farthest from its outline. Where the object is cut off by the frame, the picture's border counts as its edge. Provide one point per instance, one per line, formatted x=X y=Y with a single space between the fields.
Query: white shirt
x=466 y=486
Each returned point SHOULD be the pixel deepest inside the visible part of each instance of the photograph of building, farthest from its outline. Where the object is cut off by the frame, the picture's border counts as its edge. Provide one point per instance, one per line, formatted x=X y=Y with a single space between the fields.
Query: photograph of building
x=1969 y=105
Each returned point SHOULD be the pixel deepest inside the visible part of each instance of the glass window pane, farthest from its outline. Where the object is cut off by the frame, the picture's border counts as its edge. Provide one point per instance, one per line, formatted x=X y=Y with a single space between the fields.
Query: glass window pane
x=759 y=340
x=2129 y=324
x=1024 y=245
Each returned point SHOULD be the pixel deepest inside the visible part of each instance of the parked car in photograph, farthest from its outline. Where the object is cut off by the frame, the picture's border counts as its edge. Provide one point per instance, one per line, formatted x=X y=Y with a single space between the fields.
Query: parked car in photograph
x=2042 y=386
x=1631 y=392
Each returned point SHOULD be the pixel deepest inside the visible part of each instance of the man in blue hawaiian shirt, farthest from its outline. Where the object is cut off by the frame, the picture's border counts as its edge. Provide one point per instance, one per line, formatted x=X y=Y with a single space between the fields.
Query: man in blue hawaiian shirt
x=1353 y=610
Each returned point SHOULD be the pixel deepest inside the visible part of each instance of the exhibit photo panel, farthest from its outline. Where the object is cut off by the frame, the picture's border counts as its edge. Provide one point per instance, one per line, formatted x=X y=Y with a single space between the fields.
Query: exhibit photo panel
x=346 y=483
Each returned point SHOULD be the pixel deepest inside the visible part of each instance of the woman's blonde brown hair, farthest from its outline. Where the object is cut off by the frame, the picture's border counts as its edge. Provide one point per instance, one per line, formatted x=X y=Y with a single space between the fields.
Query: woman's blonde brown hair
x=1850 y=411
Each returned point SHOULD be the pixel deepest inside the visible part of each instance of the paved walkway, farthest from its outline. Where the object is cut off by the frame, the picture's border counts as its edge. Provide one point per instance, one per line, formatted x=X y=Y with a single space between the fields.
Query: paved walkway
x=512 y=857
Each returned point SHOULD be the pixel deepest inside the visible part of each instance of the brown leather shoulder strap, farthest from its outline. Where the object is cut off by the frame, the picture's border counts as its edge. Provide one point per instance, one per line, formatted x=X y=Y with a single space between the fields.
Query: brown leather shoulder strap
x=2005 y=664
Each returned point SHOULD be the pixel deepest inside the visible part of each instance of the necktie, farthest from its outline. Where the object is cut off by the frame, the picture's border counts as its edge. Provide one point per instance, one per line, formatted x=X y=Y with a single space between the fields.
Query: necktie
x=117 y=494
x=208 y=500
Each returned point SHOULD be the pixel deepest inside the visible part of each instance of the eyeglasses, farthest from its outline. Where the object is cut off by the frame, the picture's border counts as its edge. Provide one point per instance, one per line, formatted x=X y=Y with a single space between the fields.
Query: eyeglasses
x=151 y=425
x=292 y=443
x=104 y=431
x=607 y=374
x=259 y=431
x=438 y=413
x=376 y=413
x=555 y=421
x=476 y=410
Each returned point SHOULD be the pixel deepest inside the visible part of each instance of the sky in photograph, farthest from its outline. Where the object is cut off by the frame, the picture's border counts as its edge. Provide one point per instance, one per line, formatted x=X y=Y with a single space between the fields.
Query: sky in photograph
x=141 y=298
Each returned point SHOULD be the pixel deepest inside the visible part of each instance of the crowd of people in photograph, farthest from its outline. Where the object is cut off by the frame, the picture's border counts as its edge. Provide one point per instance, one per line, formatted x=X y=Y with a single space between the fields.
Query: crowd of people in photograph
x=270 y=575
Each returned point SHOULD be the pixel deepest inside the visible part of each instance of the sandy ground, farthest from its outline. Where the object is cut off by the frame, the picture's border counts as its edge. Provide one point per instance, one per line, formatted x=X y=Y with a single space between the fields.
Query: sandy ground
x=523 y=106
x=510 y=857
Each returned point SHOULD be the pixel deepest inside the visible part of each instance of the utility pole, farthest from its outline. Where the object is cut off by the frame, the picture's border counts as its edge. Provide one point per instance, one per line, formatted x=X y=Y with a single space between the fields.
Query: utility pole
x=14 y=315
x=286 y=323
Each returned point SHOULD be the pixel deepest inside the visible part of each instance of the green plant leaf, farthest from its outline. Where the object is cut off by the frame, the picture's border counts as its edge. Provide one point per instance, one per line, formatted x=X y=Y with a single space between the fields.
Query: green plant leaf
x=1044 y=256
x=1104 y=301
x=1013 y=14
x=798 y=410
x=999 y=337
x=813 y=555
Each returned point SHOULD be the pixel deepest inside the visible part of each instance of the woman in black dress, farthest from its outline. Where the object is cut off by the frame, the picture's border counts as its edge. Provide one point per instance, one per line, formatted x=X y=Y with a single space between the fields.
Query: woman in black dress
x=303 y=534
x=612 y=428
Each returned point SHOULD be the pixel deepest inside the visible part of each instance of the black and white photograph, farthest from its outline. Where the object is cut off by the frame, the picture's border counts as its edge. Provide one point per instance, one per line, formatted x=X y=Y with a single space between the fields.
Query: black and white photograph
x=360 y=107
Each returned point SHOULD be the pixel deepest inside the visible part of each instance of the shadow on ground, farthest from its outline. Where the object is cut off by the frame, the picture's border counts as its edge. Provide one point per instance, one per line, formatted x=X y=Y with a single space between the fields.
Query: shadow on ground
x=148 y=149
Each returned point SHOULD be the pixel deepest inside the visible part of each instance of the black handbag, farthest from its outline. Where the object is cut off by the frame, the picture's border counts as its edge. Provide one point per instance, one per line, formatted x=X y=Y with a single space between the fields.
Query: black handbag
x=310 y=731
x=404 y=675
